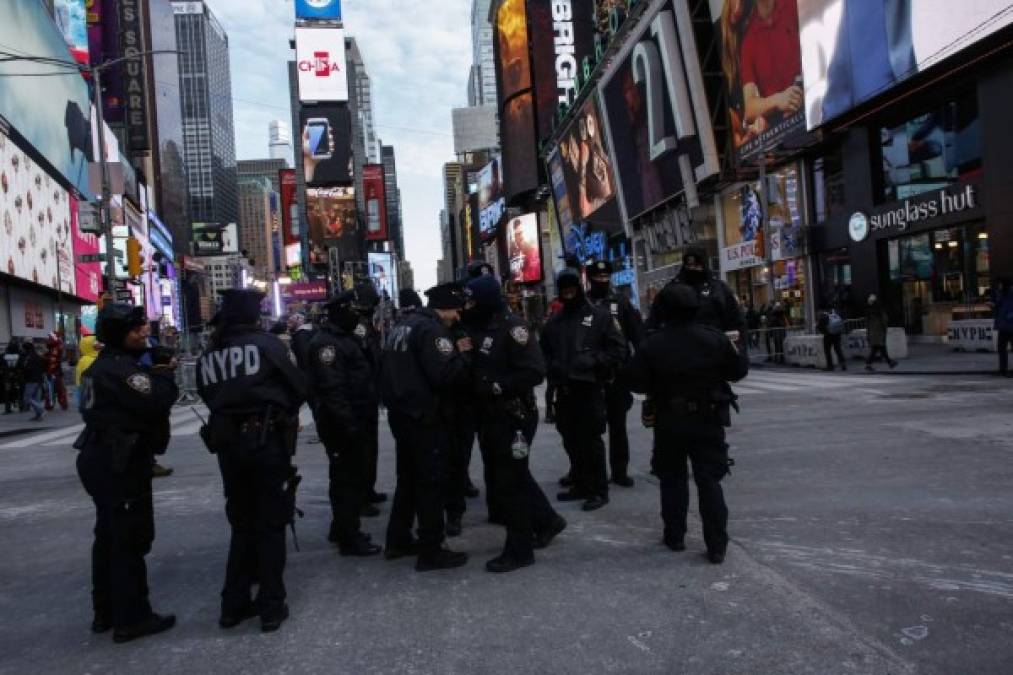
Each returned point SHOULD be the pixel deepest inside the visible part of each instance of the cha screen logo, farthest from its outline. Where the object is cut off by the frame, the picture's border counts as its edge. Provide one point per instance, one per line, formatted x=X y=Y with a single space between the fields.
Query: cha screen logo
x=318 y=9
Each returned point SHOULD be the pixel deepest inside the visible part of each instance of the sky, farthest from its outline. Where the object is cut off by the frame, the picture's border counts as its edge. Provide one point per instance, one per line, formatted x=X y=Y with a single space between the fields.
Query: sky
x=417 y=53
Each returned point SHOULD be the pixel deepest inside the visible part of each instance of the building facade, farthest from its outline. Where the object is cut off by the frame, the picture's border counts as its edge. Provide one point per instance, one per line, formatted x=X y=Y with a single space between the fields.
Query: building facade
x=392 y=192
x=256 y=224
x=279 y=135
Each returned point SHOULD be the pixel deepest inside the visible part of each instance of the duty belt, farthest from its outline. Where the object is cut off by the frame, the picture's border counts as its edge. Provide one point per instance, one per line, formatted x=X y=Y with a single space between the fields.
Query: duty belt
x=684 y=407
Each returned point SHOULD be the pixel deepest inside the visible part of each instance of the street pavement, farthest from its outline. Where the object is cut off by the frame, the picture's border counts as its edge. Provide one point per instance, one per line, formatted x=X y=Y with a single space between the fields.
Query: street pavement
x=871 y=519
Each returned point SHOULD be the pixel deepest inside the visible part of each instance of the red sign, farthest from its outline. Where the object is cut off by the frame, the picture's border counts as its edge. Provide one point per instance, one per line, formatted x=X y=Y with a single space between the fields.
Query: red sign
x=87 y=276
x=307 y=291
x=289 y=207
x=376 y=203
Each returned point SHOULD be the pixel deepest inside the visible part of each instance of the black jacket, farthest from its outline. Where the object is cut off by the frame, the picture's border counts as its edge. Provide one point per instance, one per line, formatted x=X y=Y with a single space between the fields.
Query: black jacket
x=625 y=315
x=32 y=367
x=301 y=339
x=342 y=378
x=118 y=392
x=421 y=367
x=582 y=344
x=719 y=308
x=507 y=360
x=245 y=370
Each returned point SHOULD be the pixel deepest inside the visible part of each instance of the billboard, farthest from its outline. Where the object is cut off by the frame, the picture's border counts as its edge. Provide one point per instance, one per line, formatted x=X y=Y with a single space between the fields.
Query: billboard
x=210 y=239
x=560 y=195
x=326 y=132
x=57 y=131
x=136 y=116
x=762 y=69
x=36 y=220
x=71 y=19
x=383 y=274
x=562 y=34
x=587 y=170
x=289 y=208
x=333 y=223
x=524 y=248
x=853 y=51
x=491 y=203
x=658 y=114
x=516 y=98
x=87 y=275
x=320 y=60
x=318 y=9
x=376 y=202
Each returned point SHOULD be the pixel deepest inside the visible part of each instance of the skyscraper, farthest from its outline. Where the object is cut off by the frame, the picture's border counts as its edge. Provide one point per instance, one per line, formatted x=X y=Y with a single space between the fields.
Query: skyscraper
x=256 y=226
x=205 y=89
x=361 y=87
x=482 y=76
x=395 y=227
x=279 y=141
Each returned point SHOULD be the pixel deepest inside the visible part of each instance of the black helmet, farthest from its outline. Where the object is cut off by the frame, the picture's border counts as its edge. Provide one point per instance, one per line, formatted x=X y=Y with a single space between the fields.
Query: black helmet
x=116 y=320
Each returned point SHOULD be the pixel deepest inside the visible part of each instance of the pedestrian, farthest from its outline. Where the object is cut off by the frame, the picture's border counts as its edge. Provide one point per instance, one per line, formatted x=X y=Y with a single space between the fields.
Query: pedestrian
x=33 y=374
x=123 y=404
x=831 y=327
x=877 y=325
x=1004 y=323
x=253 y=390
x=90 y=348
x=685 y=368
x=343 y=382
x=422 y=367
x=618 y=399
x=11 y=385
x=508 y=364
x=56 y=388
x=365 y=303
x=753 y=325
x=583 y=350
x=777 y=327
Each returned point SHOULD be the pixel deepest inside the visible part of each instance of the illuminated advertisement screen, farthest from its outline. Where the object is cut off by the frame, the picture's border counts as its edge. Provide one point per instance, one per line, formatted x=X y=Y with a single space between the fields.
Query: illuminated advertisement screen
x=383 y=274
x=854 y=50
x=516 y=97
x=376 y=202
x=491 y=203
x=320 y=60
x=524 y=248
x=326 y=133
x=318 y=9
x=333 y=223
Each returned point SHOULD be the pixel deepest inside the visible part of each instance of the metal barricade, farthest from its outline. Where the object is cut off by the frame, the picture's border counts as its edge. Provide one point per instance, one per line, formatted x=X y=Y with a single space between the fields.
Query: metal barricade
x=186 y=380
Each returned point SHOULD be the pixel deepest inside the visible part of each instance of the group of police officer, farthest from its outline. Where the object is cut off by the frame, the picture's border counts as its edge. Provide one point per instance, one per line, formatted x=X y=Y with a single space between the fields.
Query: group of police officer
x=460 y=368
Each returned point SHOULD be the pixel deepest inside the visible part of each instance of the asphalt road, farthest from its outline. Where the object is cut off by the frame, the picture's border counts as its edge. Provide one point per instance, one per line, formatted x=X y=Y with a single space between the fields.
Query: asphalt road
x=872 y=520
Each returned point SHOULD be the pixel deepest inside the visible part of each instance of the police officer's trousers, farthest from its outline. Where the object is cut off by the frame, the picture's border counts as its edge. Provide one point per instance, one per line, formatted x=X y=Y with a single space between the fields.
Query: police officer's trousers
x=258 y=511
x=371 y=425
x=581 y=419
x=462 y=437
x=124 y=531
x=525 y=509
x=348 y=457
x=618 y=401
x=708 y=453
x=421 y=477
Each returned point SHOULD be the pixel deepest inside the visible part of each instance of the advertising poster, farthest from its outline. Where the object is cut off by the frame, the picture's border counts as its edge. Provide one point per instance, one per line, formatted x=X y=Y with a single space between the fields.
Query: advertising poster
x=853 y=50
x=289 y=207
x=326 y=133
x=517 y=114
x=320 y=60
x=560 y=196
x=71 y=19
x=524 y=249
x=305 y=291
x=381 y=272
x=376 y=202
x=333 y=222
x=32 y=315
x=318 y=9
x=587 y=170
x=59 y=130
x=208 y=239
x=491 y=202
x=762 y=67
x=562 y=34
x=87 y=276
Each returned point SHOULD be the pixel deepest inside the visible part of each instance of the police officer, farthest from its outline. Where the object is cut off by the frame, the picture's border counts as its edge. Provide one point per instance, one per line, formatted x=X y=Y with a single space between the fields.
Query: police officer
x=125 y=407
x=508 y=364
x=686 y=368
x=583 y=350
x=343 y=382
x=719 y=308
x=618 y=399
x=364 y=303
x=249 y=381
x=422 y=367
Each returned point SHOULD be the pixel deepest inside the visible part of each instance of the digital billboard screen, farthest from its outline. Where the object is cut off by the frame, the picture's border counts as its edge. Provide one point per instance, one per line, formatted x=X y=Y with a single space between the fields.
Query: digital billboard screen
x=320 y=60
x=524 y=249
x=376 y=202
x=318 y=9
x=383 y=274
x=326 y=133
x=491 y=203
x=853 y=51
x=333 y=223
x=516 y=97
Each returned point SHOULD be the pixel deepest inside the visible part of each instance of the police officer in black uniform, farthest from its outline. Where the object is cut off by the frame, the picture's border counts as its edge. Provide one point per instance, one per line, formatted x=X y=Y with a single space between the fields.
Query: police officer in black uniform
x=508 y=364
x=583 y=350
x=343 y=382
x=422 y=367
x=618 y=399
x=364 y=303
x=249 y=381
x=719 y=307
x=125 y=407
x=686 y=367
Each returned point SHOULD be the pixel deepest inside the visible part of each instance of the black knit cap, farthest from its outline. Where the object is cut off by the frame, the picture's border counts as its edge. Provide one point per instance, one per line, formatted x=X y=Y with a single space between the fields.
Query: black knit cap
x=446 y=296
x=116 y=320
x=407 y=297
x=599 y=268
x=240 y=306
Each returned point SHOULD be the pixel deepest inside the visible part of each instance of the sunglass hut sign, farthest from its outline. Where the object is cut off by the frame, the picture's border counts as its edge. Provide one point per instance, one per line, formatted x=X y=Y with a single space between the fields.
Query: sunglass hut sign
x=943 y=203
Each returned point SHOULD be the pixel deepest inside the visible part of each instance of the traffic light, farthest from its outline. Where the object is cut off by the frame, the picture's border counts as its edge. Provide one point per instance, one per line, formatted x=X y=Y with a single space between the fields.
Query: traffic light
x=134 y=258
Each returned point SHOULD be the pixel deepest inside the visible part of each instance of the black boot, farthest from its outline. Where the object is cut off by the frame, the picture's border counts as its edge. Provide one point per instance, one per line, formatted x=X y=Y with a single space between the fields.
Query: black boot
x=231 y=618
x=594 y=503
x=675 y=543
x=272 y=622
x=101 y=623
x=544 y=538
x=623 y=481
x=507 y=563
x=441 y=559
x=393 y=552
x=156 y=623
x=359 y=546
x=716 y=557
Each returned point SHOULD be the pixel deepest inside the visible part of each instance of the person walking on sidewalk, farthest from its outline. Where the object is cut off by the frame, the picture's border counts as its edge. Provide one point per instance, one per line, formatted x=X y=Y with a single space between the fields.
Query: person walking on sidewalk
x=831 y=327
x=1004 y=323
x=877 y=323
x=11 y=385
x=56 y=389
x=33 y=370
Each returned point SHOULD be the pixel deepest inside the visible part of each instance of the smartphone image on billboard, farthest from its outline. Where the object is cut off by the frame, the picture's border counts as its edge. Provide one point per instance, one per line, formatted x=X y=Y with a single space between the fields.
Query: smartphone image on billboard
x=318 y=129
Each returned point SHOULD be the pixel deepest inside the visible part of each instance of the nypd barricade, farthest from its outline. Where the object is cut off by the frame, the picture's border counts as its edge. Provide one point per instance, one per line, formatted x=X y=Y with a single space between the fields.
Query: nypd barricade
x=807 y=350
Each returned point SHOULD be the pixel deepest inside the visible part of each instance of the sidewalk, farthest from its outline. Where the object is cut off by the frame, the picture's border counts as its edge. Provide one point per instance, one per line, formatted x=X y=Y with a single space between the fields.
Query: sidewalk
x=923 y=359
